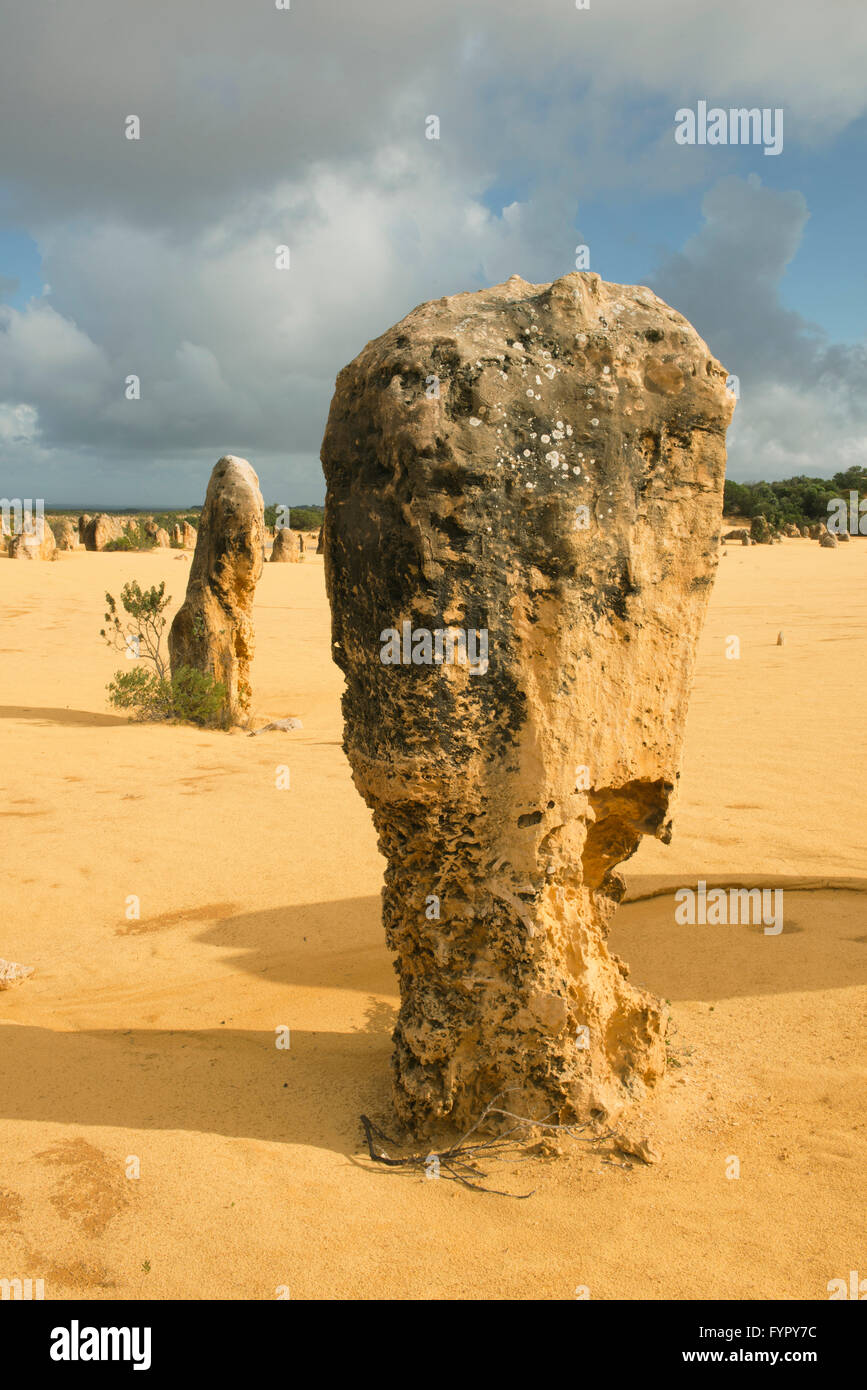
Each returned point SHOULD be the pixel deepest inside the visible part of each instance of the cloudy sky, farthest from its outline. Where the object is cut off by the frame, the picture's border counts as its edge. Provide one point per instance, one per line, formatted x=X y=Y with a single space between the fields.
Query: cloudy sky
x=306 y=127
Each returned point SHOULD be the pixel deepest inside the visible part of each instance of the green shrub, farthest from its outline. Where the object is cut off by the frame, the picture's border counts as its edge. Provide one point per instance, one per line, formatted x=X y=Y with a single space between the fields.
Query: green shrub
x=139 y=536
x=197 y=698
x=145 y=694
x=192 y=697
x=152 y=692
x=143 y=629
x=134 y=538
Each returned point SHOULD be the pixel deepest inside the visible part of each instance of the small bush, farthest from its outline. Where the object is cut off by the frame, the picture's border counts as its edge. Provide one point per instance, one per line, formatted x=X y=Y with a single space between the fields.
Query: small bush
x=192 y=697
x=147 y=610
x=197 y=697
x=145 y=694
x=151 y=691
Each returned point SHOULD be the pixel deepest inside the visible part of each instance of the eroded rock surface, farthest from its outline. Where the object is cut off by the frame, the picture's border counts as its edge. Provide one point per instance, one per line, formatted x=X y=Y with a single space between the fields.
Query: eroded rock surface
x=543 y=464
x=213 y=629
x=286 y=549
x=65 y=534
x=99 y=530
x=38 y=544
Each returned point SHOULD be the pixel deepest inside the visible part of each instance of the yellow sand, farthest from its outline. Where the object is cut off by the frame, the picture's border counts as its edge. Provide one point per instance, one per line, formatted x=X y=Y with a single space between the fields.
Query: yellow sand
x=155 y=1038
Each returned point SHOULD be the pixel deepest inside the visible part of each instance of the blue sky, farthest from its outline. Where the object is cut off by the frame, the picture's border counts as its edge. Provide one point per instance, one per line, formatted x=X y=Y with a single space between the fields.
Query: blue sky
x=826 y=282
x=21 y=264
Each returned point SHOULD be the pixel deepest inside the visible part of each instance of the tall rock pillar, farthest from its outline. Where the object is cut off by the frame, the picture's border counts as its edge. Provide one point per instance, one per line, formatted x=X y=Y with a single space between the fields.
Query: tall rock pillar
x=522 y=520
x=213 y=628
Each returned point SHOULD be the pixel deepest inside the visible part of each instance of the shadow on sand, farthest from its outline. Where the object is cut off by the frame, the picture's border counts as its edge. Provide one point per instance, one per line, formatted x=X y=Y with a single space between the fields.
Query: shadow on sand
x=83 y=718
x=236 y=1083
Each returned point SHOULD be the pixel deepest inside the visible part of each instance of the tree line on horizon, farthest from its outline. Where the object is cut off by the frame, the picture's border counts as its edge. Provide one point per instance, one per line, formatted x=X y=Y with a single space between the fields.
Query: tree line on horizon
x=305 y=518
x=801 y=499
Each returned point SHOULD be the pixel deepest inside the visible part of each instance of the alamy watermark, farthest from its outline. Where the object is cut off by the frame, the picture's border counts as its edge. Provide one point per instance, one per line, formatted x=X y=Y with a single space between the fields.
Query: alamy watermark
x=21 y=1290
x=856 y=520
x=736 y=126
x=422 y=646
x=22 y=517
x=856 y=1288
x=730 y=906
x=77 y=1343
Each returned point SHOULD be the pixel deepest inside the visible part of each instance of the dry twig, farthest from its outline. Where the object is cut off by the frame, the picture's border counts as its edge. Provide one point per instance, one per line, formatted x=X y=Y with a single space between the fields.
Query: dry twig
x=460 y=1162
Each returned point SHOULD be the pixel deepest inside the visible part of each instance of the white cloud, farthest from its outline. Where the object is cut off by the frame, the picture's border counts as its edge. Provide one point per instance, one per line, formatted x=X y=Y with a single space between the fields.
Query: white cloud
x=802 y=406
x=306 y=127
x=18 y=423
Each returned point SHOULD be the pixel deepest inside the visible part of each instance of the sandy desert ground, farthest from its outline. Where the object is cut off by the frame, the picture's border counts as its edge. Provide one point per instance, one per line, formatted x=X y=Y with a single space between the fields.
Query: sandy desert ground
x=155 y=1038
